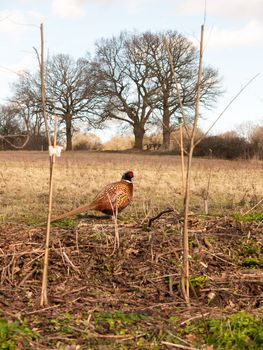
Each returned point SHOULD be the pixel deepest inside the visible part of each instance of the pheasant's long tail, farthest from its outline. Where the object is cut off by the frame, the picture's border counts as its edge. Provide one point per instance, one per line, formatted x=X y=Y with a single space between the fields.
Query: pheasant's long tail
x=73 y=212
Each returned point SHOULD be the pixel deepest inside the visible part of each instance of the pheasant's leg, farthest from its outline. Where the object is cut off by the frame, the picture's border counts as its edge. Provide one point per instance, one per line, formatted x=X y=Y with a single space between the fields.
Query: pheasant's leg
x=116 y=229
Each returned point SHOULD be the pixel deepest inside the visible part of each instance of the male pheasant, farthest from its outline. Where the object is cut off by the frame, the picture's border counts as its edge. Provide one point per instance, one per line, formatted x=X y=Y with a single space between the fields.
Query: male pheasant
x=113 y=198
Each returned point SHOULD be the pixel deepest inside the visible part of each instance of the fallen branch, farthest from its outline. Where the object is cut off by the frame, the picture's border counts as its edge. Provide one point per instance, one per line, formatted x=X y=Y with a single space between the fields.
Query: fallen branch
x=151 y=220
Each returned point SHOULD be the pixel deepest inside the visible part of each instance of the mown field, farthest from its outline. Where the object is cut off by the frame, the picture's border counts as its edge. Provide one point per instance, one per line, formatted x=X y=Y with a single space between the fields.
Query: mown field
x=130 y=298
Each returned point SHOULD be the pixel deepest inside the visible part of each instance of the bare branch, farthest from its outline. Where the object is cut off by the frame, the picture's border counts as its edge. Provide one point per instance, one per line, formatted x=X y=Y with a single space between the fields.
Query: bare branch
x=226 y=108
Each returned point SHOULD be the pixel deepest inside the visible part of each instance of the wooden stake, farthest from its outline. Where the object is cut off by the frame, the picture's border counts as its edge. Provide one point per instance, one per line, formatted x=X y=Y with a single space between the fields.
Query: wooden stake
x=52 y=157
x=182 y=158
x=185 y=267
x=43 y=92
x=44 y=297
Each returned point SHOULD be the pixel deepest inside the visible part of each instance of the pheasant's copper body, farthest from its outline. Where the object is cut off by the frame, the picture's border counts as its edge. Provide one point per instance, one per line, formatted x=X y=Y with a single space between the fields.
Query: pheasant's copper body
x=113 y=198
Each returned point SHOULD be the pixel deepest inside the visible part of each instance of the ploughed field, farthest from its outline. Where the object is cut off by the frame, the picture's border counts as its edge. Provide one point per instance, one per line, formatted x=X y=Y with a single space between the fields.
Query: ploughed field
x=130 y=298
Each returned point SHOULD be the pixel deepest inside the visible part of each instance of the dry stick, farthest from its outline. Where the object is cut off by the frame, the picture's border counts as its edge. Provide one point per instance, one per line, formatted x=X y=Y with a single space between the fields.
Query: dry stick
x=151 y=220
x=182 y=158
x=116 y=228
x=185 y=267
x=253 y=207
x=43 y=92
x=178 y=346
x=44 y=298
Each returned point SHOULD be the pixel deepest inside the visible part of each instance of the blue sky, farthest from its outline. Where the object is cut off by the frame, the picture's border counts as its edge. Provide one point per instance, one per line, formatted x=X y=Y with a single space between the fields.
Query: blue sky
x=233 y=40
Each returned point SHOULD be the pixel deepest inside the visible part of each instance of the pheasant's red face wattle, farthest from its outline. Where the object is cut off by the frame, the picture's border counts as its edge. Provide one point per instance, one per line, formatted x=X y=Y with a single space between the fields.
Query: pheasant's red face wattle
x=128 y=176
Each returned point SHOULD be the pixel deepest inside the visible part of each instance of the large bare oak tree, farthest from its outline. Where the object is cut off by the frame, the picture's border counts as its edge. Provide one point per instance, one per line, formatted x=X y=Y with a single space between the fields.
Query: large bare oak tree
x=138 y=80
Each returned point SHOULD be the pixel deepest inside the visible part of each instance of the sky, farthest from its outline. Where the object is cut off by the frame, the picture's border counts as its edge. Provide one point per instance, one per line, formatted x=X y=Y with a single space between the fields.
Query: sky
x=233 y=41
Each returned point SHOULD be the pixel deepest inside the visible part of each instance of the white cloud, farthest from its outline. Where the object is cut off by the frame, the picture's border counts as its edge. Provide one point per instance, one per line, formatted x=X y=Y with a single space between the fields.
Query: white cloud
x=76 y=8
x=68 y=8
x=249 y=35
x=234 y=9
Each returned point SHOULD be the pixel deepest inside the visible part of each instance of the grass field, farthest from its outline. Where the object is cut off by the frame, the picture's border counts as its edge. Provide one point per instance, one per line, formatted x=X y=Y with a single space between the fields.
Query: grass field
x=235 y=185
x=130 y=298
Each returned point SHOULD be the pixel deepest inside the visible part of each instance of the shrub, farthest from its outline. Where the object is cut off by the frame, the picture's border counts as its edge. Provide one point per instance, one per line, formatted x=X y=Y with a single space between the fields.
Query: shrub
x=87 y=142
x=119 y=143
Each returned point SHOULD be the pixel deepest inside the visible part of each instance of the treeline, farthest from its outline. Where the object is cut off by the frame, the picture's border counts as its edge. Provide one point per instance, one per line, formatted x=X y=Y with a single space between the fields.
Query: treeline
x=232 y=146
x=229 y=145
x=128 y=81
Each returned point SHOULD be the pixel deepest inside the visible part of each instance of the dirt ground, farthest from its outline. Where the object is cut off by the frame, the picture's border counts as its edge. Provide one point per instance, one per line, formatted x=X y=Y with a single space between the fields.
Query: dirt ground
x=128 y=298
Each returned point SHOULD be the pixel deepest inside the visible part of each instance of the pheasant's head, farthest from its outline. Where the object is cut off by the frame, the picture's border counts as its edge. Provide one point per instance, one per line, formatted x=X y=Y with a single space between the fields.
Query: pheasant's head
x=127 y=176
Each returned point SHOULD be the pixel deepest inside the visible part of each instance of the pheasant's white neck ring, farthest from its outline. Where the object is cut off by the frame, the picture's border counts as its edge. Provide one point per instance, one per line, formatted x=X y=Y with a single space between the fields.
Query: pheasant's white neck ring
x=127 y=181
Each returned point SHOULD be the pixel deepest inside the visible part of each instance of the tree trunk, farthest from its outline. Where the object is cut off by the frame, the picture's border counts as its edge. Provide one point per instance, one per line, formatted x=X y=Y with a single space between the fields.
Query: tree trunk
x=139 y=134
x=166 y=126
x=68 y=119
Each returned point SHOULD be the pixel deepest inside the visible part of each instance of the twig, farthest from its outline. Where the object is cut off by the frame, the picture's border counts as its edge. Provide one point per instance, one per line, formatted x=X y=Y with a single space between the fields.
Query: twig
x=30 y=273
x=41 y=310
x=179 y=346
x=194 y=318
x=218 y=257
x=70 y=262
x=151 y=220
x=133 y=337
x=224 y=110
x=116 y=228
x=253 y=207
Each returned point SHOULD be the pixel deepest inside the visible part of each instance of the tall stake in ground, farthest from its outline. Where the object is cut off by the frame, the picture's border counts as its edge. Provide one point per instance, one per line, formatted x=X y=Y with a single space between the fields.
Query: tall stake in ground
x=182 y=155
x=185 y=269
x=44 y=298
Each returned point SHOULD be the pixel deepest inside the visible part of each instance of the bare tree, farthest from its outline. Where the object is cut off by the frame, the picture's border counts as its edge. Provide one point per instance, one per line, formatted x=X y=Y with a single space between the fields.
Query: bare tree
x=13 y=132
x=138 y=79
x=9 y=122
x=26 y=105
x=69 y=92
x=185 y=65
x=126 y=85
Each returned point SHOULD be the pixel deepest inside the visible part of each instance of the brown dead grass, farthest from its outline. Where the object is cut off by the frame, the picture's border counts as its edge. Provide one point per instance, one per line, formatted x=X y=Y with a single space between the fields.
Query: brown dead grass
x=235 y=185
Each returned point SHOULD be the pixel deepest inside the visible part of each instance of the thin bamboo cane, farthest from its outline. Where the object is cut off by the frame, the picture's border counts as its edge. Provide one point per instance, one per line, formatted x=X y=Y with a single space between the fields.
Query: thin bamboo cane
x=44 y=297
x=185 y=267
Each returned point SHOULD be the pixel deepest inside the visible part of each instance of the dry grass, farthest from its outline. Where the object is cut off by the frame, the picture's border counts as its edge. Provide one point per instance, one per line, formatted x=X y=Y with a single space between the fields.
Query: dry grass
x=235 y=185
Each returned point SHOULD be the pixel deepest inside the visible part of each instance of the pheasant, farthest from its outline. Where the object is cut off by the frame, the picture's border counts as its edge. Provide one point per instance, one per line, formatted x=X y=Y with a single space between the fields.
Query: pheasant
x=112 y=199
